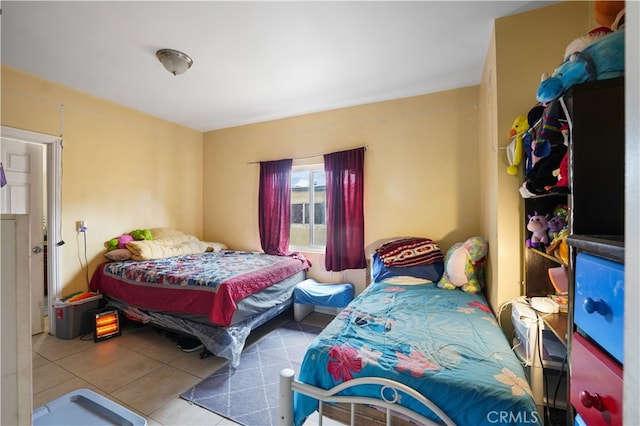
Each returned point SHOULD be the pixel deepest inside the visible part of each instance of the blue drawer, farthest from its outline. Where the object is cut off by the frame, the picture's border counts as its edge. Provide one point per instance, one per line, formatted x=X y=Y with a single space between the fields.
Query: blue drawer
x=599 y=302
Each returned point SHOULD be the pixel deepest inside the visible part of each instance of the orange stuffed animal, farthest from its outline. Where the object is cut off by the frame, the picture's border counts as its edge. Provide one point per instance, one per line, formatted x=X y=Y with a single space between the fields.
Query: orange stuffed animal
x=609 y=13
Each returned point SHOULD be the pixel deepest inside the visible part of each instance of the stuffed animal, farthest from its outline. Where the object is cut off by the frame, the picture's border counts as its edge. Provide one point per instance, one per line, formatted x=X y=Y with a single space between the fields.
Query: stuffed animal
x=538 y=225
x=119 y=242
x=581 y=42
x=514 y=150
x=112 y=244
x=559 y=247
x=561 y=210
x=123 y=240
x=550 y=131
x=609 y=13
x=555 y=225
x=601 y=60
x=141 y=234
x=562 y=173
x=462 y=266
x=535 y=114
x=548 y=121
x=540 y=178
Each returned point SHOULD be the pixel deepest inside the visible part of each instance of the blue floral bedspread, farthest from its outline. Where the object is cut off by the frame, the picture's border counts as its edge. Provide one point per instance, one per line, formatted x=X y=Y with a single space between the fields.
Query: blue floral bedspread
x=444 y=343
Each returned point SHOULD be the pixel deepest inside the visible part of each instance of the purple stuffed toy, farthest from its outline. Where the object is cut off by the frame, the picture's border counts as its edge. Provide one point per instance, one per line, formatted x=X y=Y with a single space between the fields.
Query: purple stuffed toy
x=538 y=226
x=555 y=225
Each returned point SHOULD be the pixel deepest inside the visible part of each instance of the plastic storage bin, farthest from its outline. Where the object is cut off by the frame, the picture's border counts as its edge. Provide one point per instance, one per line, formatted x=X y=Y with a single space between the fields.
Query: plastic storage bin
x=76 y=318
x=85 y=407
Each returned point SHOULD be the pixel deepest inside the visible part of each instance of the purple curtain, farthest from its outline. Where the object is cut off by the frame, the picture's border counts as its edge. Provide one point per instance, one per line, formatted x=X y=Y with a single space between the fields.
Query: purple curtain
x=274 y=206
x=344 y=173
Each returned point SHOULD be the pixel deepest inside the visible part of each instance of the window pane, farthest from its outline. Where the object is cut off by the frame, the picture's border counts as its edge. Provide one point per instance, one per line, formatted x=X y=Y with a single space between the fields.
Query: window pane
x=320 y=235
x=306 y=220
x=300 y=179
x=308 y=207
x=296 y=213
x=299 y=235
x=319 y=213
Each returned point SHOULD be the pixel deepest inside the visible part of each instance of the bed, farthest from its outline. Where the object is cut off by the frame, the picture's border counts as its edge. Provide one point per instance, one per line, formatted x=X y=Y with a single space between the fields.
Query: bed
x=200 y=289
x=426 y=353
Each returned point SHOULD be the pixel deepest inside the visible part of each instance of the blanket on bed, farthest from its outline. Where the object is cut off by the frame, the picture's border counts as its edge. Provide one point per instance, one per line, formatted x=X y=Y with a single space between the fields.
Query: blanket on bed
x=206 y=284
x=446 y=344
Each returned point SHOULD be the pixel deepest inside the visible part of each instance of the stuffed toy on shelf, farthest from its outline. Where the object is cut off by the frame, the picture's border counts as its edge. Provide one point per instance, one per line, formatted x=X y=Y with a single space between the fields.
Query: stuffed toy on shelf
x=609 y=13
x=558 y=246
x=546 y=152
x=555 y=225
x=538 y=225
x=598 y=55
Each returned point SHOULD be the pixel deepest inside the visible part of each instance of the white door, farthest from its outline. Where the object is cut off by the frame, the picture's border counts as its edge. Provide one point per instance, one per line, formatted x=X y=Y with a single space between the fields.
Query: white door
x=24 y=167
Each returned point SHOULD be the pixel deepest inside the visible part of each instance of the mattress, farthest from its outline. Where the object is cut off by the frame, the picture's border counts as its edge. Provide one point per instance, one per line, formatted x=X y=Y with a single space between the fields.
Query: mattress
x=446 y=344
x=209 y=285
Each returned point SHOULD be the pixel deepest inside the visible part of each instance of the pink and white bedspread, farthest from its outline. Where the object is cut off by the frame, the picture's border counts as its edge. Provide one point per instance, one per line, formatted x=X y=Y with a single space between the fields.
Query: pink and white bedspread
x=207 y=284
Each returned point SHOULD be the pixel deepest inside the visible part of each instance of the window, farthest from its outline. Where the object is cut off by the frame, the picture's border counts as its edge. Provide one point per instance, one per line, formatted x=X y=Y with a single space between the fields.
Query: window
x=308 y=207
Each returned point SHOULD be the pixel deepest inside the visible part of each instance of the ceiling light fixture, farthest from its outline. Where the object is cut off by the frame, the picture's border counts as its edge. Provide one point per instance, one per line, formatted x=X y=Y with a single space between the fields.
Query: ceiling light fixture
x=174 y=61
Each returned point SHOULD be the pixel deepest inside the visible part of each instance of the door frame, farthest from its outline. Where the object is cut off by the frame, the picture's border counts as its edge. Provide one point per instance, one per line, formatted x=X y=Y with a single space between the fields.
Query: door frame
x=54 y=207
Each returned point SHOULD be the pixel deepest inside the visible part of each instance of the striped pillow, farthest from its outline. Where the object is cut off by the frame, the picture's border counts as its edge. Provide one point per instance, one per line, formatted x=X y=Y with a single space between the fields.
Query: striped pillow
x=410 y=252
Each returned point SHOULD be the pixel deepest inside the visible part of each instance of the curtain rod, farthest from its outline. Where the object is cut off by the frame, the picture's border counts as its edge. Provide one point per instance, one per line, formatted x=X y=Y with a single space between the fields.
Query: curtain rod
x=311 y=156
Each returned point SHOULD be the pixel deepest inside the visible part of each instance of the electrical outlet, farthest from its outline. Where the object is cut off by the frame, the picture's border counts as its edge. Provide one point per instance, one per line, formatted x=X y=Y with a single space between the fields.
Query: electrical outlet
x=81 y=226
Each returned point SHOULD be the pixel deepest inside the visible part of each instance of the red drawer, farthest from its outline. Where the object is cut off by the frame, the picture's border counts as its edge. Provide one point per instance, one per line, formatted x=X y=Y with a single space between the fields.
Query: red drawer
x=596 y=384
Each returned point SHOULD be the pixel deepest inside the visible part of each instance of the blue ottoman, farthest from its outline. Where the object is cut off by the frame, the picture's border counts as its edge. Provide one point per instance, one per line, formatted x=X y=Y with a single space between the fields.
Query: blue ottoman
x=309 y=293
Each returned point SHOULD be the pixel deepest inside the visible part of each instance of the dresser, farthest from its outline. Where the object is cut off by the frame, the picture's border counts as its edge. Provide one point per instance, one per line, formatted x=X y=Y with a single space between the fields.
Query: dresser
x=596 y=270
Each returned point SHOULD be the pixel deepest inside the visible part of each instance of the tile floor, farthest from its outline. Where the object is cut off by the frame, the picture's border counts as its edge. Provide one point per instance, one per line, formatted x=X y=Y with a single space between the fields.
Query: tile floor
x=142 y=370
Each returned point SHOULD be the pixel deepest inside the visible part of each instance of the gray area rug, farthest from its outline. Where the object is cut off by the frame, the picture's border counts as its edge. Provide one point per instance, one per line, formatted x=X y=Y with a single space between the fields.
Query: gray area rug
x=248 y=394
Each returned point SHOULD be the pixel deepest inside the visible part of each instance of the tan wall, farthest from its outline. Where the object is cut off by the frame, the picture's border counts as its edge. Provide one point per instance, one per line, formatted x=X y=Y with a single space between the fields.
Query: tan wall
x=122 y=169
x=433 y=167
x=522 y=47
x=421 y=169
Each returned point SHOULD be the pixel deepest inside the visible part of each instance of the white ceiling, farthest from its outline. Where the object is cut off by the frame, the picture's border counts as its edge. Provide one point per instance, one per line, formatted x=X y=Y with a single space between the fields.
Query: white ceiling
x=253 y=61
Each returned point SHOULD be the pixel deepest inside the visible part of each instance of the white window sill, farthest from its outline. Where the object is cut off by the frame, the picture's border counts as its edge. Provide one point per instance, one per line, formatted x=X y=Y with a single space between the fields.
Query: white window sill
x=320 y=250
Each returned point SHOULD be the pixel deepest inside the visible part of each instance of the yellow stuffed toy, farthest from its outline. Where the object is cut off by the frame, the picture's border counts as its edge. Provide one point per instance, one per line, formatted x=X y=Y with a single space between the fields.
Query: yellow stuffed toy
x=559 y=247
x=514 y=150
